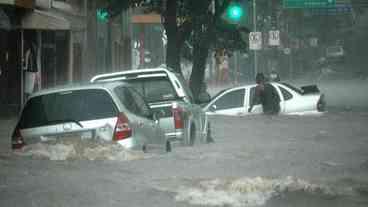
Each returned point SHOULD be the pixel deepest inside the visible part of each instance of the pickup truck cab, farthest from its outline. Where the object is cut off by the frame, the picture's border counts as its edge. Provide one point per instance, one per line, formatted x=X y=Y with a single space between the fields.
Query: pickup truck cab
x=168 y=95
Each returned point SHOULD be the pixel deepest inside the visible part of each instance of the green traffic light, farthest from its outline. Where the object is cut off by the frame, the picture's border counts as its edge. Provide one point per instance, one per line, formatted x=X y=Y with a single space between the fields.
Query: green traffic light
x=235 y=12
x=102 y=15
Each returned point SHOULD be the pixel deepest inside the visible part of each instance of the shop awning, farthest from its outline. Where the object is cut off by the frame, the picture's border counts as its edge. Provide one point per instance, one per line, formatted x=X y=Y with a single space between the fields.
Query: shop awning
x=28 y=4
x=146 y=19
x=42 y=20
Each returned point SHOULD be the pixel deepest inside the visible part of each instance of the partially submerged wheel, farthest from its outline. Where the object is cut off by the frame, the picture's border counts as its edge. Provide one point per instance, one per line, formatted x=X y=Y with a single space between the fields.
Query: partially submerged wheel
x=144 y=148
x=192 y=135
x=168 y=147
x=321 y=105
x=209 y=138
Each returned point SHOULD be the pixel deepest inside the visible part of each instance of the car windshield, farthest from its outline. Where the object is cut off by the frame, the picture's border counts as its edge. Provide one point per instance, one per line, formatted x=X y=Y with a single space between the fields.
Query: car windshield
x=154 y=89
x=218 y=93
x=69 y=106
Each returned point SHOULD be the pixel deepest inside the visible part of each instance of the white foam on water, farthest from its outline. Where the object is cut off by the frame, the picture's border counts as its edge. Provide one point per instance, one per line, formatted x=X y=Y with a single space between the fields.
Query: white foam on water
x=247 y=191
x=52 y=152
x=72 y=150
x=111 y=152
x=307 y=113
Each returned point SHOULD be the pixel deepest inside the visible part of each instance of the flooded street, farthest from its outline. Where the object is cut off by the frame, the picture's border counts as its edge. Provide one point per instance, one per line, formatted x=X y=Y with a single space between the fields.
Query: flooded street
x=111 y=103
x=318 y=160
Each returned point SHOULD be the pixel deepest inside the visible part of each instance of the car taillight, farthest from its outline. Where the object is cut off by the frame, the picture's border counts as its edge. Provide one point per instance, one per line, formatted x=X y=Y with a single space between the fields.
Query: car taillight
x=17 y=139
x=178 y=116
x=122 y=128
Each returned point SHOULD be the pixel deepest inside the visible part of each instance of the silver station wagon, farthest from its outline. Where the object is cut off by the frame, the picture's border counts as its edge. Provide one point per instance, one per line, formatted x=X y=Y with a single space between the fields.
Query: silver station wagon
x=105 y=112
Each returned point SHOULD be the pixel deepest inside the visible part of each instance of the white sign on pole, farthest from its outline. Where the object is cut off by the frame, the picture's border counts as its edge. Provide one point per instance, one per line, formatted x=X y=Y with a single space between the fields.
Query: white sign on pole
x=274 y=38
x=287 y=51
x=313 y=42
x=255 y=40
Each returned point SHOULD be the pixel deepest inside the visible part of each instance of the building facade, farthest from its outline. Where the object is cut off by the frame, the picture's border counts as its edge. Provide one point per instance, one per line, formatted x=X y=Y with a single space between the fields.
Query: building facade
x=46 y=43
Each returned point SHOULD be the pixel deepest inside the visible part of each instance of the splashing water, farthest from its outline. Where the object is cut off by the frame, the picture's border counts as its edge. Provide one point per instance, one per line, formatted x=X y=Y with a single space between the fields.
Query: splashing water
x=85 y=150
x=248 y=191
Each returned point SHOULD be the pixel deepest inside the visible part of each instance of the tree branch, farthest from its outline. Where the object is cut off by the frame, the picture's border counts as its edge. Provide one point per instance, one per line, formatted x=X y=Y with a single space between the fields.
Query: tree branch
x=219 y=9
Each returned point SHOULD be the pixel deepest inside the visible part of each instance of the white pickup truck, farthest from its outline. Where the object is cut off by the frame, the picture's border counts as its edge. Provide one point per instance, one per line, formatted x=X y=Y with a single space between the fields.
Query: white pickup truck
x=168 y=94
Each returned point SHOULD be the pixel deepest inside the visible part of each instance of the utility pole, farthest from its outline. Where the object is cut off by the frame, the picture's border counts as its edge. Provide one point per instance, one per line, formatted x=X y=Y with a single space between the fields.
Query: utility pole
x=85 y=54
x=255 y=30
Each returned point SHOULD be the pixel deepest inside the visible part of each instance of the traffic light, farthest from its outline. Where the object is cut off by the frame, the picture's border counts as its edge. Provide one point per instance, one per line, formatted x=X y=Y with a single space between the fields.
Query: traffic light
x=236 y=12
x=102 y=15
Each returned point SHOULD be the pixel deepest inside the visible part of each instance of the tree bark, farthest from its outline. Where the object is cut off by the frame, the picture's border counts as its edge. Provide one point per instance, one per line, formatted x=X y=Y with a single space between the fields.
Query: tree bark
x=203 y=35
x=173 y=47
x=202 y=46
x=200 y=53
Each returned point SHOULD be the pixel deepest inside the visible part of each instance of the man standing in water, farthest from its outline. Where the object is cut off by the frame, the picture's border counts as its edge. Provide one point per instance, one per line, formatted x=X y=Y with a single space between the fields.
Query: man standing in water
x=266 y=95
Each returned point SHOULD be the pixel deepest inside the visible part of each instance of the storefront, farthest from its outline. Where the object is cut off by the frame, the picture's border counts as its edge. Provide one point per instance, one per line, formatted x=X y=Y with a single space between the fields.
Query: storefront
x=36 y=51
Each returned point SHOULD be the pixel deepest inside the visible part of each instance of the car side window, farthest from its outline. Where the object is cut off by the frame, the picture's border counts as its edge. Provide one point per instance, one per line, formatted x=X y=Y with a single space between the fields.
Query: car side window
x=286 y=94
x=127 y=99
x=143 y=109
x=233 y=99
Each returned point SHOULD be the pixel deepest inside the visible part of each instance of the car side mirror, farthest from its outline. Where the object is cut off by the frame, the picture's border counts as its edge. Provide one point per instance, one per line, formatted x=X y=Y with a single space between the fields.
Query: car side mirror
x=204 y=98
x=213 y=108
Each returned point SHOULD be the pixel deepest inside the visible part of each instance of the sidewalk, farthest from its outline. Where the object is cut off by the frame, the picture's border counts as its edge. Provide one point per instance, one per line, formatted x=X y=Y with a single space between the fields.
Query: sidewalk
x=6 y=128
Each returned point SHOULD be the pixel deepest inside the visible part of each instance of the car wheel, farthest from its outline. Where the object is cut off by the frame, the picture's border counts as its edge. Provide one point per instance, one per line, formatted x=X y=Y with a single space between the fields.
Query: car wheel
x=192 y=135
x=144 y=148
x=321 y=105
x=168 y=146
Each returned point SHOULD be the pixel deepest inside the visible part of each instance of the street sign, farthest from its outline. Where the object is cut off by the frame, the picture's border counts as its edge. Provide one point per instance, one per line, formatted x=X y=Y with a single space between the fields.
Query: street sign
x=338 y=9
x=301 y=4
x=255 y=40
x=274 y=38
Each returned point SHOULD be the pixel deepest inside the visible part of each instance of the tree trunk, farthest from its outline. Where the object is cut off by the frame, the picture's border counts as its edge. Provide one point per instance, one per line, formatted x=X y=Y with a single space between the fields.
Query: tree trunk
x=205 y=34
x=200 y=54
x=173 y=48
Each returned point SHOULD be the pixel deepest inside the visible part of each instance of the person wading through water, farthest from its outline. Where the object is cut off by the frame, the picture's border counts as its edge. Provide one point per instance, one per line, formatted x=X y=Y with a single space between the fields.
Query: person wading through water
x=266 y=95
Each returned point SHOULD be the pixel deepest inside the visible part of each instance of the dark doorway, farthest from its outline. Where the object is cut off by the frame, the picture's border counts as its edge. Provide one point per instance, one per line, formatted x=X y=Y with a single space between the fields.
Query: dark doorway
x=10 y=78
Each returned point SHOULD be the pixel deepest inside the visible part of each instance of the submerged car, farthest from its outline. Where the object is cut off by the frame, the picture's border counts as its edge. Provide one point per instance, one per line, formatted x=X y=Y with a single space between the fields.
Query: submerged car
x=112 y=112
x=168 y=94
x=236 y=101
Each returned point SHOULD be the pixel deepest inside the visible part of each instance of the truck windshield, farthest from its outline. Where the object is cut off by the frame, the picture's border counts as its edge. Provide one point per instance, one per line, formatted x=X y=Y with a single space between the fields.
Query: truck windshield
x=154 y=89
